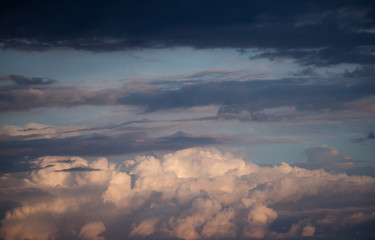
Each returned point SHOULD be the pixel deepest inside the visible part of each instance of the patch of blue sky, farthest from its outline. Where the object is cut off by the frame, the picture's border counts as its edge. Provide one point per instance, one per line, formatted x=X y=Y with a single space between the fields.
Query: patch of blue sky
x=69 y=67
x=55 y=116
x=275 y=153
x=347 y=139
x=72 y=67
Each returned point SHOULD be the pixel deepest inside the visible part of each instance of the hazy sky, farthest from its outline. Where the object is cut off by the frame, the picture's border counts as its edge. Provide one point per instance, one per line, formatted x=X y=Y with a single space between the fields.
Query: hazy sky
x=187 y=120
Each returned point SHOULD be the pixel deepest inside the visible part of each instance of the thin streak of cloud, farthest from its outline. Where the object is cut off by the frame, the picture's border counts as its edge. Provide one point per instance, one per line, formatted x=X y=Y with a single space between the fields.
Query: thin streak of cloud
x=26 y=81
x=261 y=99
x=370 y=136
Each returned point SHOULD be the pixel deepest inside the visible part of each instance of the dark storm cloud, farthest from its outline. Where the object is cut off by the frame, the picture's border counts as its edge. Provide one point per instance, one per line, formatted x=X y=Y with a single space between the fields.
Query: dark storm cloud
x=323 y=57
x=14 y=149
x=338 y=29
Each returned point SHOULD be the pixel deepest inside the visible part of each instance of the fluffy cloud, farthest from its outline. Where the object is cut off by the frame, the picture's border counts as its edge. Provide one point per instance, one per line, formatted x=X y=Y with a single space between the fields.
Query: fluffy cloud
x=190 y=194
x=91 y=231
x=65 y=171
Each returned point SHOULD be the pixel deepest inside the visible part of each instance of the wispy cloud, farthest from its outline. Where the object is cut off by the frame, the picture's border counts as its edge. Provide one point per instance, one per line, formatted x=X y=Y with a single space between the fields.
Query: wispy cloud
x=261 y=99
x=370 y=136
x=25 y=81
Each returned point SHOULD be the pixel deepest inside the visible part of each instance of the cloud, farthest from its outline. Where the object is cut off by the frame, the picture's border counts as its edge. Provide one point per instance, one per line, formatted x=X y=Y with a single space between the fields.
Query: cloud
x=331 y=160
x=308 y=231
x=259 y=219
x=306 y=72
x=20 y=144
x=366 y=104
x=334 y=32
x=25 y=81
x=366 y=71
x=323 y=57
x=251 y=100
x=33 y=131
x=328 y=158
x=370 y=136
x=190 y=194
x=21 y=98
x=91 y=231
x=210 y=75
x=78 y=169
x=145 y=228
x=253 y=95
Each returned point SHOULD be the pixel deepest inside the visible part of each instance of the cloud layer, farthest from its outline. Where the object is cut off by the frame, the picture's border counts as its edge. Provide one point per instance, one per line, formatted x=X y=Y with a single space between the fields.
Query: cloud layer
x=313 y=32
x=235 y=98
x=19 y=144
x=190 y=194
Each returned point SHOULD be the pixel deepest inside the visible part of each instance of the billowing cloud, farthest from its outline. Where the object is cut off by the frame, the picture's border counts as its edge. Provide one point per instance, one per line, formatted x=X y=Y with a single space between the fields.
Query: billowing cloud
x=92 y=231
x=189 y=194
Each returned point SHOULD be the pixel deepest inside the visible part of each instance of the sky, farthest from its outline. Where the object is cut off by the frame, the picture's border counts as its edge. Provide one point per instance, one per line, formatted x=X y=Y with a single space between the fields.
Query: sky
x=187 y=120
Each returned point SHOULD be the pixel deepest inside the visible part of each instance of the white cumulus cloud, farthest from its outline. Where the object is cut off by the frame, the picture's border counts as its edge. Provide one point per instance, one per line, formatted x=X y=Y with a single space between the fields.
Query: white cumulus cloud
x=190 y=194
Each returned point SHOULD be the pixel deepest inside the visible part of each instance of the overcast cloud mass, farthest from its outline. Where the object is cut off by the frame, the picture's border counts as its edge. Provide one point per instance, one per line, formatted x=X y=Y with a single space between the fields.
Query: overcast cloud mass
x=187 y=120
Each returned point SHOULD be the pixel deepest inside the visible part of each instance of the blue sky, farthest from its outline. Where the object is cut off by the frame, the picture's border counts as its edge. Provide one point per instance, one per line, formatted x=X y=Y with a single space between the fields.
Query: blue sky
x=186 y=115
x=95 y=71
